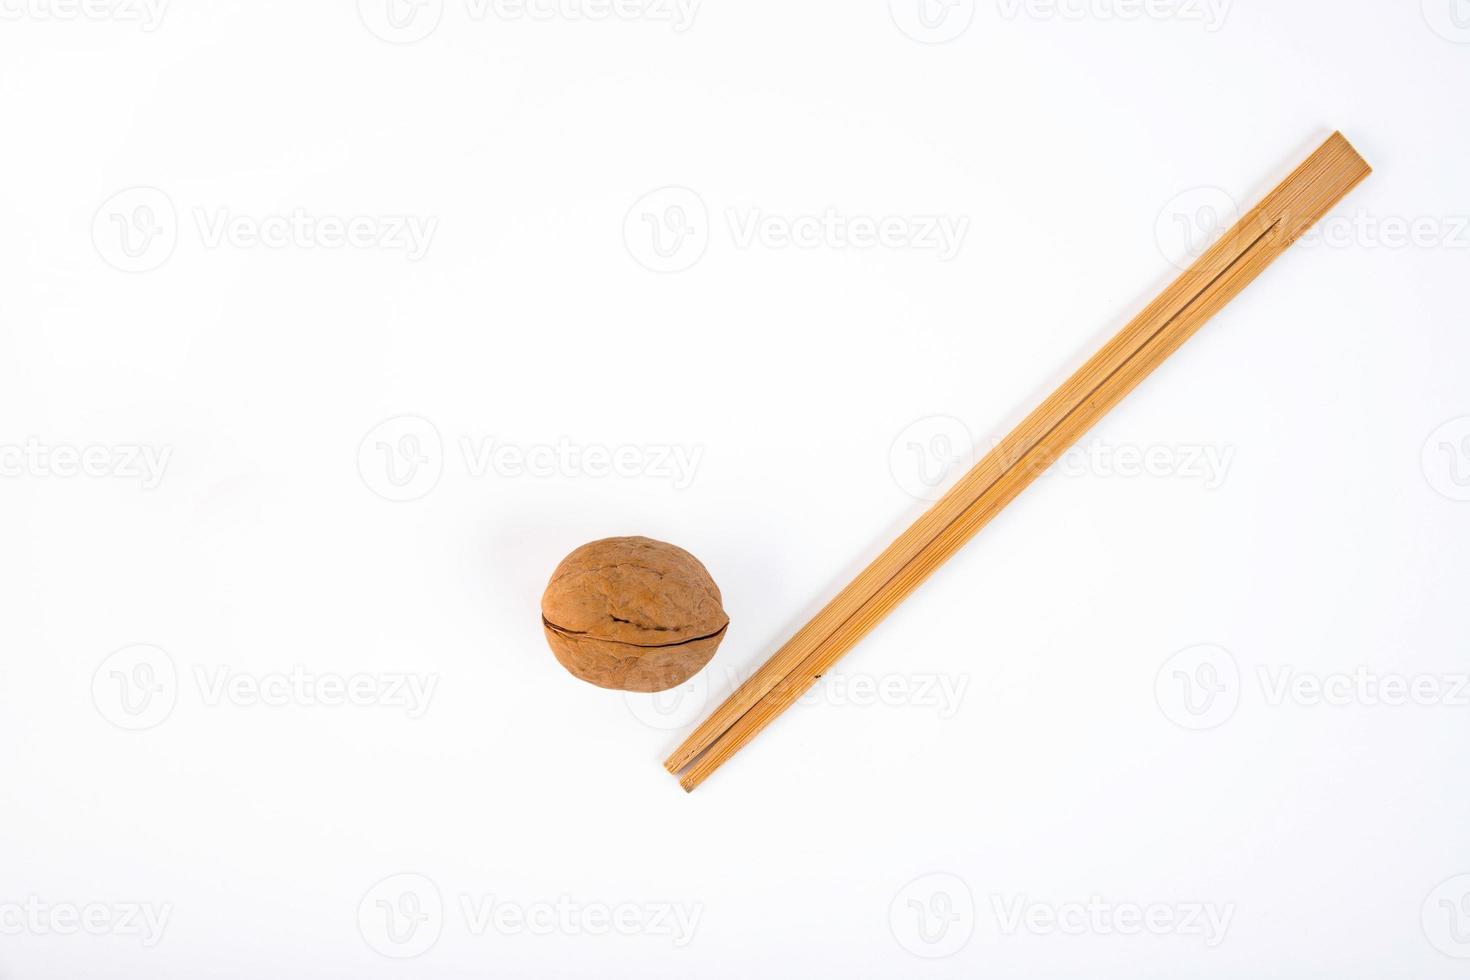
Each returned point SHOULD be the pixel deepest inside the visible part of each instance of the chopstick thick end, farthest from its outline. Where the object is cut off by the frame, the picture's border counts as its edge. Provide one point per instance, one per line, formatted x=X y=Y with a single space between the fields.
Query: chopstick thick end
x=1338 y=137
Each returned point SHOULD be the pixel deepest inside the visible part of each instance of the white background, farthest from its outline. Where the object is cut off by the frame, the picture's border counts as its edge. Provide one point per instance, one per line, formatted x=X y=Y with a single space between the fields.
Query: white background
x=863 y=834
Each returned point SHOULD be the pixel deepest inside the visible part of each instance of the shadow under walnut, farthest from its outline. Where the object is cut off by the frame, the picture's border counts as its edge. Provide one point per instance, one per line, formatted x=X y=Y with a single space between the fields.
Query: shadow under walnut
x=633 y=614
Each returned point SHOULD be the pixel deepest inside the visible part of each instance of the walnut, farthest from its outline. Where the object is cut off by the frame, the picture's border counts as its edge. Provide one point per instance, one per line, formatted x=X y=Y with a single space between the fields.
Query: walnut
x=633 y=614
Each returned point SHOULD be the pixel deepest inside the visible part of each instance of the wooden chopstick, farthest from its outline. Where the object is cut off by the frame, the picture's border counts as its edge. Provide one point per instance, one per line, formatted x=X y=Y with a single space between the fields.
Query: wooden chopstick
x=1220 y=274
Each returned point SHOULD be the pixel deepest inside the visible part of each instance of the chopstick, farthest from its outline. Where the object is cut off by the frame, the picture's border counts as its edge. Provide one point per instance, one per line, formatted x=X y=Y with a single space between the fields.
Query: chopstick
x=1219 y=275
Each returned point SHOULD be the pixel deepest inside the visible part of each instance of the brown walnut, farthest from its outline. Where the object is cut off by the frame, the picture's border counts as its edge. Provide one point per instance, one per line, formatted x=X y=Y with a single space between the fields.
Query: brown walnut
x=633 y=614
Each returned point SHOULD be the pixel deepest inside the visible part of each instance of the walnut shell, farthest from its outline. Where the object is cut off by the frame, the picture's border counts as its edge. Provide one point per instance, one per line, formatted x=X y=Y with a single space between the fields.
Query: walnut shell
x=633 y=614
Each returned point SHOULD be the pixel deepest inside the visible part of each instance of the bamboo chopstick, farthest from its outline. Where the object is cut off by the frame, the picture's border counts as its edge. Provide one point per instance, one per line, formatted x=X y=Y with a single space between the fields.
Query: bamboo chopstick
x=1220 y=274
